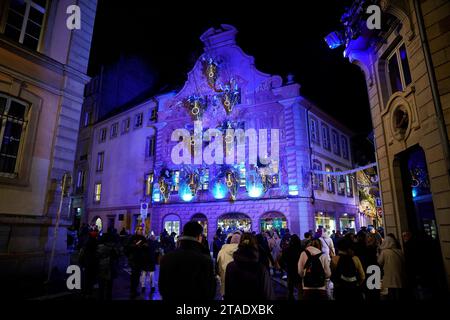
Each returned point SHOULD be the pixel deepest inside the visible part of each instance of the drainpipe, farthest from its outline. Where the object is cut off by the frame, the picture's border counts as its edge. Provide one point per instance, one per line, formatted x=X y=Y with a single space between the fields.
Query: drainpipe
x=310 y=154
x=433 y=84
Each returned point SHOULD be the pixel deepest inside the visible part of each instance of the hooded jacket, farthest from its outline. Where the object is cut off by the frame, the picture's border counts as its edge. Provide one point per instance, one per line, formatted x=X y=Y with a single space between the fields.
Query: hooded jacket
x=392 y=261
x=224 y=257
x=246 y=278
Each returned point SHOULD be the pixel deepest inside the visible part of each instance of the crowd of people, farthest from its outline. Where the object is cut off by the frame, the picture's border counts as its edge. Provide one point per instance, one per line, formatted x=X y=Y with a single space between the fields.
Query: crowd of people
x=241 y=265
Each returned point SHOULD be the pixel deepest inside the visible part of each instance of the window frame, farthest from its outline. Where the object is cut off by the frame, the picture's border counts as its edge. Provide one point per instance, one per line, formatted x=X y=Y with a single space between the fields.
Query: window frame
x=329 y=179
x=100 y=136
x=317 y=165
x=396 y=52
x=126 y=124
x=345 y=148
x=325 y=136
x=314 y=134
x=99 y=195
x=112 y=135
x=349 y=185
x=23 y=134
x=100 y=157
x=140 y=116
x=334 y=133
x=26 y=18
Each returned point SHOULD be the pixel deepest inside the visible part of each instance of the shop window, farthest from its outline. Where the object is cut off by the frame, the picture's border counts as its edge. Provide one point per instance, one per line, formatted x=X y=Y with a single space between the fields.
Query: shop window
x=172 y=223
x=325 y=220
x=347 y=223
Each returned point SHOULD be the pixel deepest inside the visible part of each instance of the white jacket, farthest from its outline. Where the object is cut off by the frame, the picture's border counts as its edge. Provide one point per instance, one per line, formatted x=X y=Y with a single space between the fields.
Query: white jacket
x=224 y=257
x=323 y=259
x=327 y=246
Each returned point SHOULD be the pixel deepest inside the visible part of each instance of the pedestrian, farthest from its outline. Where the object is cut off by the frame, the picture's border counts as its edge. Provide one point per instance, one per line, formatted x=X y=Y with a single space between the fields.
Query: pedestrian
x=216 y=246
x=347 y=273
x=89 y=262
x=187 y=274
x=314 y=269
x=276 y=251
x=290 y=259
x=107 y=257
x=265 y=257
x=327 y=245
x=371 y=294
x=306 y=240
x=136 y=251
x=225 y=256
x=391 y=260
x=149 y=258
x=246 y=277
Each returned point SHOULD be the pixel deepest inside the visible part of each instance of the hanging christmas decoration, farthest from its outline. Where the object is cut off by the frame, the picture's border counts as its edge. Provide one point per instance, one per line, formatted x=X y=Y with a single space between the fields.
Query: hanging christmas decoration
x=254 y=184
x=196 y=105
x=230 y=96
x=164 y=189
x=210 y=70
x=193 y=183
x=232 y=183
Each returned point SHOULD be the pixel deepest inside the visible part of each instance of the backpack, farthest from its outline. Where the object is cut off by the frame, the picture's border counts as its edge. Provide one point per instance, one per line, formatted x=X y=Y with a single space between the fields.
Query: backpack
x=314 y=274
x=345 y=275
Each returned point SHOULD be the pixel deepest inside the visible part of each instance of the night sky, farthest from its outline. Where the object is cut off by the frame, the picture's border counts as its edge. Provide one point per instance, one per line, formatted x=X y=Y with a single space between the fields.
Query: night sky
x=284 y=37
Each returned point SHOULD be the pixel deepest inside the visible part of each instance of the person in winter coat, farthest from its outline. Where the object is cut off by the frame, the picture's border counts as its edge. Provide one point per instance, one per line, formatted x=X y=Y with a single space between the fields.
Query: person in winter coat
x=311 y=256
x=371 y=259
x=290 y=258
x=136 y=250
x=265 y=257
x=347 y=273
x=391 y=260
x=216 y=246
x=246 y=277
x=187 y=273
x=107 y=256
x=225 y=256
x=89 y=263
x=149 y=264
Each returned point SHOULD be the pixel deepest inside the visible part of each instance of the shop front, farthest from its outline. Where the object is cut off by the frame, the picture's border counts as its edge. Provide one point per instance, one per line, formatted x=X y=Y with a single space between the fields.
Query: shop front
x=347 y=223
x=273 y=220
x=203 y=220
x=172 y=223
x=325 y=220
x=231 y=222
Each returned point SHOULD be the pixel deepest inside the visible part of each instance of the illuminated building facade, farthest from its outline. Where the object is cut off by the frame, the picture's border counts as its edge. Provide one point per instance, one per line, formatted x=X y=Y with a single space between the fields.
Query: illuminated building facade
x=135 y=155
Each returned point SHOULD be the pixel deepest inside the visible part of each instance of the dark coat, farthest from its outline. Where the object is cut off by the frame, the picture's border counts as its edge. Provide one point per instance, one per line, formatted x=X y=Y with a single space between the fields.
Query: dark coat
x=187 y=274
x=247 y=278
x=137 y=252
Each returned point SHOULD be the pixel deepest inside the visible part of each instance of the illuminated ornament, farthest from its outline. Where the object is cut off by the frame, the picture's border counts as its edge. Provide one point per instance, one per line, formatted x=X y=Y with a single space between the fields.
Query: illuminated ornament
x=196 y=106
x=210 y=69
x=232 y=184
x=185 y=192
x=254 y=185
x=193 y=180
x=230 y=96
x=164 y=189
x=156 y=193
x=219 y=190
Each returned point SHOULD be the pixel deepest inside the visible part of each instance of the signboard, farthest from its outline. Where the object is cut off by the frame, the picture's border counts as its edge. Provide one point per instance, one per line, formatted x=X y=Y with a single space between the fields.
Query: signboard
x=379 y=211
x=378 y=202
x=144 y=210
